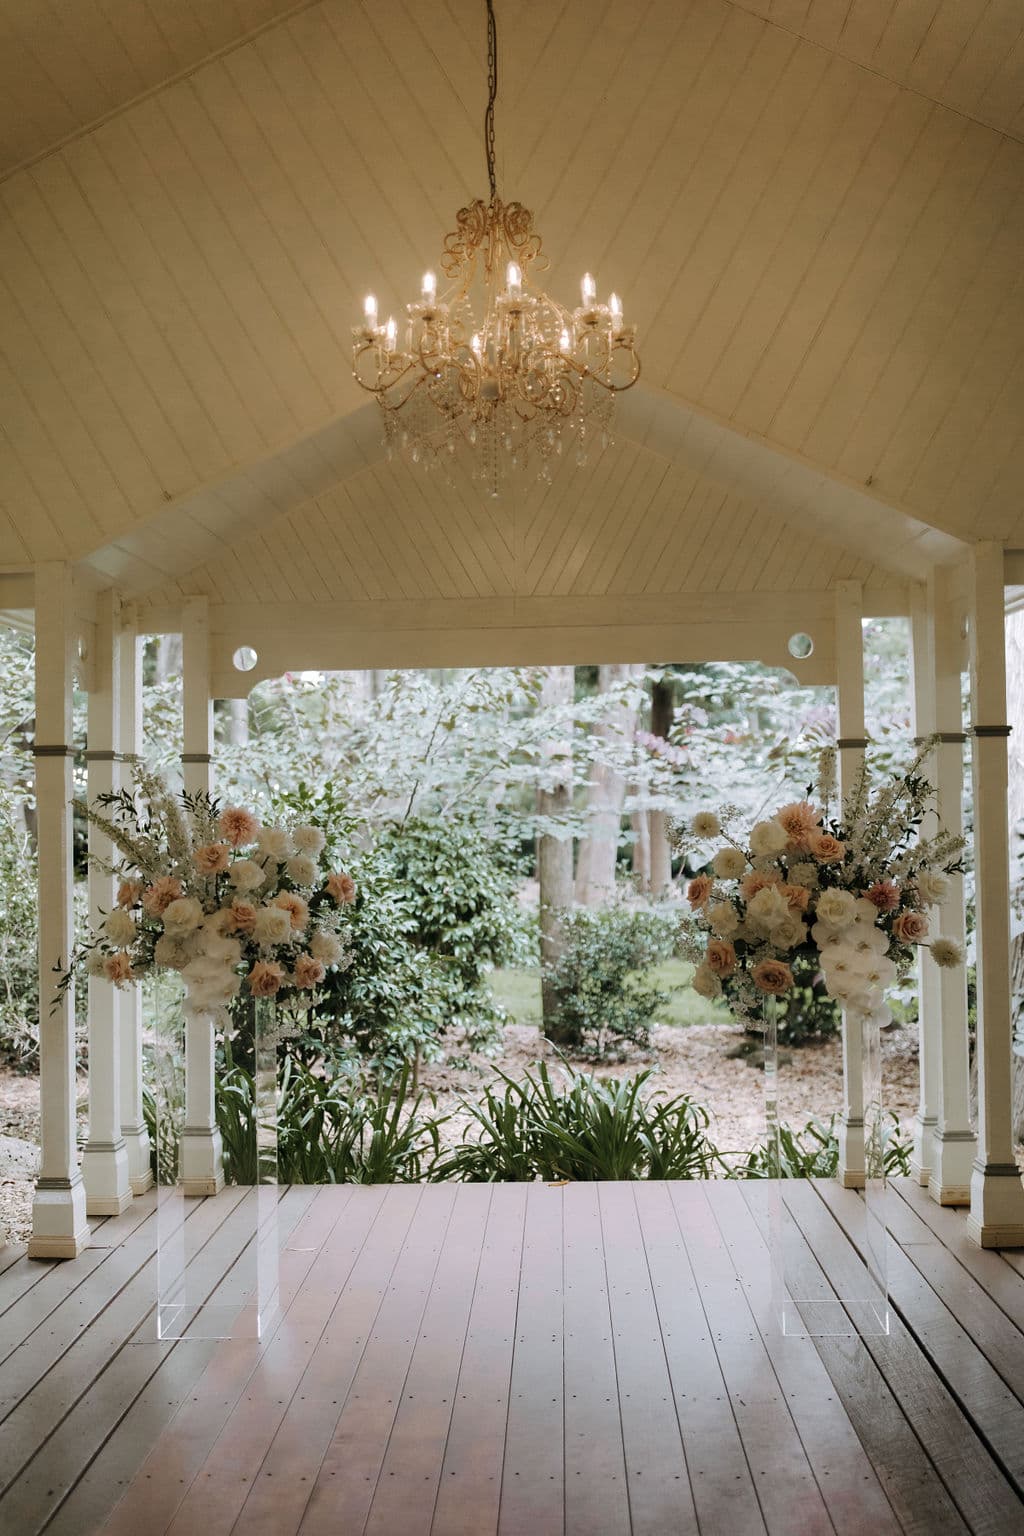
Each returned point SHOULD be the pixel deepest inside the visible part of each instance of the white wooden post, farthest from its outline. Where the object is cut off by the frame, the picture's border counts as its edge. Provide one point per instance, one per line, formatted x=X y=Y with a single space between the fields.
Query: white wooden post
x=996 y=1218
x=954 y=1144
x=133 y=1123
x=59 y=1226
x=202 y=1163
x=105 y=1161
x=929 y=991
x=851 y=744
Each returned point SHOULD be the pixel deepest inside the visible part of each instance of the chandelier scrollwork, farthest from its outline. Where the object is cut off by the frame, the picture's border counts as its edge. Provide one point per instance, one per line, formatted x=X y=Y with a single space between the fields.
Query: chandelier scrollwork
x=514 y=384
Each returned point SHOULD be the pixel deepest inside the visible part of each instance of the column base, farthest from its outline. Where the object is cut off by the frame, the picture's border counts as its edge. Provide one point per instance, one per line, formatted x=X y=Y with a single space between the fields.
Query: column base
x=59 y=1227
x=851 y=1172
x=996 y=1218
x=922 y=1155
x=105 y=1175
x=202 y=1162
x=953 y=1165
x=140 y=1169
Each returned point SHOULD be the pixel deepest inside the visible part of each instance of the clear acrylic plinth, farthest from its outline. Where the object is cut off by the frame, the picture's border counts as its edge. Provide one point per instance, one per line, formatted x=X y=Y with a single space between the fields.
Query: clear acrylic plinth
x=217 y=1258
x=805 y=1303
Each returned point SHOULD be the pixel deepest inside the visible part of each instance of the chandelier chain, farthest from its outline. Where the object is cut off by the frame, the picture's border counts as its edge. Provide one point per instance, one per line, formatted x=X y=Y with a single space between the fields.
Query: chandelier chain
x=492 y=95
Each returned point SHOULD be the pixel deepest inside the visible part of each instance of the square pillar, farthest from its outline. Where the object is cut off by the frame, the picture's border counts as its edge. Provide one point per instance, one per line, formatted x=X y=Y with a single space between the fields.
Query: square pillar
x=954 y=1144
x=929 y=988
x=202 y=1160
x=996 y=1217
x=59 y=1226
x=133 y=1122
x=105 y=1161
x=851 y=745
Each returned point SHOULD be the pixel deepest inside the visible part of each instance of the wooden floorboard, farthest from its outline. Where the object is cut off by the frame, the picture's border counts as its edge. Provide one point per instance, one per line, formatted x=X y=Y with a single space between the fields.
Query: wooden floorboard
x=468 y=1360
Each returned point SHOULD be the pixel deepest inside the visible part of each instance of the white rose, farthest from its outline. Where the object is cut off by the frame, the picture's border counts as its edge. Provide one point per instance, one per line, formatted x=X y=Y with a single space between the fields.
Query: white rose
x=274 y=843
x=837 y=909
x=273 y=926
x=301 y=869
x=246 y=875
x=183 y=916
x=705 y=983
x=767 y=908
x=174 y=951
x=309 y=840
x=120 y=927
x=790 y=932
x=723 y=920
x=931 y=887
x=728 y=864
x=768 y=838
x=94 y=962
x=326 y=947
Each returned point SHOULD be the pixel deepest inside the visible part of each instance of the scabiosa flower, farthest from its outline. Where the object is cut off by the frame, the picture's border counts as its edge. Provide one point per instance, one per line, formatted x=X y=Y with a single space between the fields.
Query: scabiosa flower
x=884 y=895
x=705 y=824
x=728 y=863
x=947 y=953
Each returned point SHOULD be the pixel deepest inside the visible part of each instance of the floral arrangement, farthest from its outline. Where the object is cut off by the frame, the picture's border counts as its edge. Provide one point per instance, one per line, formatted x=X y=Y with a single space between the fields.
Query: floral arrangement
x=210 y=893
x=854 y=887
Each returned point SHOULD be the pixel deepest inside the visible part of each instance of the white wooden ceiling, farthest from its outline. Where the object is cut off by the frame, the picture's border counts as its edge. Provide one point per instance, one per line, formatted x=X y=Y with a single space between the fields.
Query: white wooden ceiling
x=815 y=213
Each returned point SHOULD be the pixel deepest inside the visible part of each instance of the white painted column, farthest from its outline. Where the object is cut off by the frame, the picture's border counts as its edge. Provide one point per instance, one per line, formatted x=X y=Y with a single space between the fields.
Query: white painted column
x=851 y=744
x=133 y=1123
x=954 y=1144
x=105 y=1161
x=59 y=1226
x=202 y=1160
x=996 y=1216
x=929 y=991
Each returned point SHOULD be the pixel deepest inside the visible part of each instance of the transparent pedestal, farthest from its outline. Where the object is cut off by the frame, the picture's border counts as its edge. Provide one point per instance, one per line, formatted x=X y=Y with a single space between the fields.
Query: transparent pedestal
x=805 y=1303
x=216 y=1257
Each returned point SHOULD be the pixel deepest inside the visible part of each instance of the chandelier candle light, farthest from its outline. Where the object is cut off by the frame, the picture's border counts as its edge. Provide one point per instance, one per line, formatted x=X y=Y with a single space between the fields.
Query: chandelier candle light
x=513 y=383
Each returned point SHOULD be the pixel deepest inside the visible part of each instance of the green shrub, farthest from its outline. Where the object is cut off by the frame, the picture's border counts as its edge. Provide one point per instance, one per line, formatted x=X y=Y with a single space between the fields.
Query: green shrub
x=601 y=997
x=590 y=1129
x=813 y=1153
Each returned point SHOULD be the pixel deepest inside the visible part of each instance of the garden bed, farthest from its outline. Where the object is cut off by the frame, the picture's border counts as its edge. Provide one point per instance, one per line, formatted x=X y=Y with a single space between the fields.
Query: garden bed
x=693 y=1061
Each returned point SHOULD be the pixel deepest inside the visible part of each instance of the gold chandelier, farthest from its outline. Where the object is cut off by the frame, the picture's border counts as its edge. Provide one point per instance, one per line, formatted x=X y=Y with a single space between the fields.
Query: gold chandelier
x=517 y=381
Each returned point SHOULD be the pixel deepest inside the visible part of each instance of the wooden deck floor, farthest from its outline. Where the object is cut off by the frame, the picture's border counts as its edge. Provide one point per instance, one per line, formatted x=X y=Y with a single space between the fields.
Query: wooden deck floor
x=464 y=1360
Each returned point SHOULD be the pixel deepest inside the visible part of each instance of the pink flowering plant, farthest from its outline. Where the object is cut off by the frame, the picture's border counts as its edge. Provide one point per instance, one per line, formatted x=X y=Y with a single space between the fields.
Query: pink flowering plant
x=852 y=887
x=239 y=909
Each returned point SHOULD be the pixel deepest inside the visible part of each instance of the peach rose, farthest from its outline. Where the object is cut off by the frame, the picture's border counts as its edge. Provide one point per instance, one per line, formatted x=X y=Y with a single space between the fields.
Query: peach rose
x=128 y=892
x=825 y=848
x=309 y=971
x=237 y=826
x=266 y=978
x=341 y=888
x=772 y=976
x=243 y=916
x=698 y=891
x=118 y=968
x=757 y=880
x=158 y=897
x=884 y=895
x=910 y=927
x=295 y=906
x=720 y=957
x=799 y=820
x=211 y=858
x=797 y=897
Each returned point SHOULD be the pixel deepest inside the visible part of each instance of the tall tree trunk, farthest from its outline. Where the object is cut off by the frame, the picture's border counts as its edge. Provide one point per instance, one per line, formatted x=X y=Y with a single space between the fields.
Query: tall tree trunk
x=662 y=715
x=554 y=854
x=640 y=823
x=595 y=864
